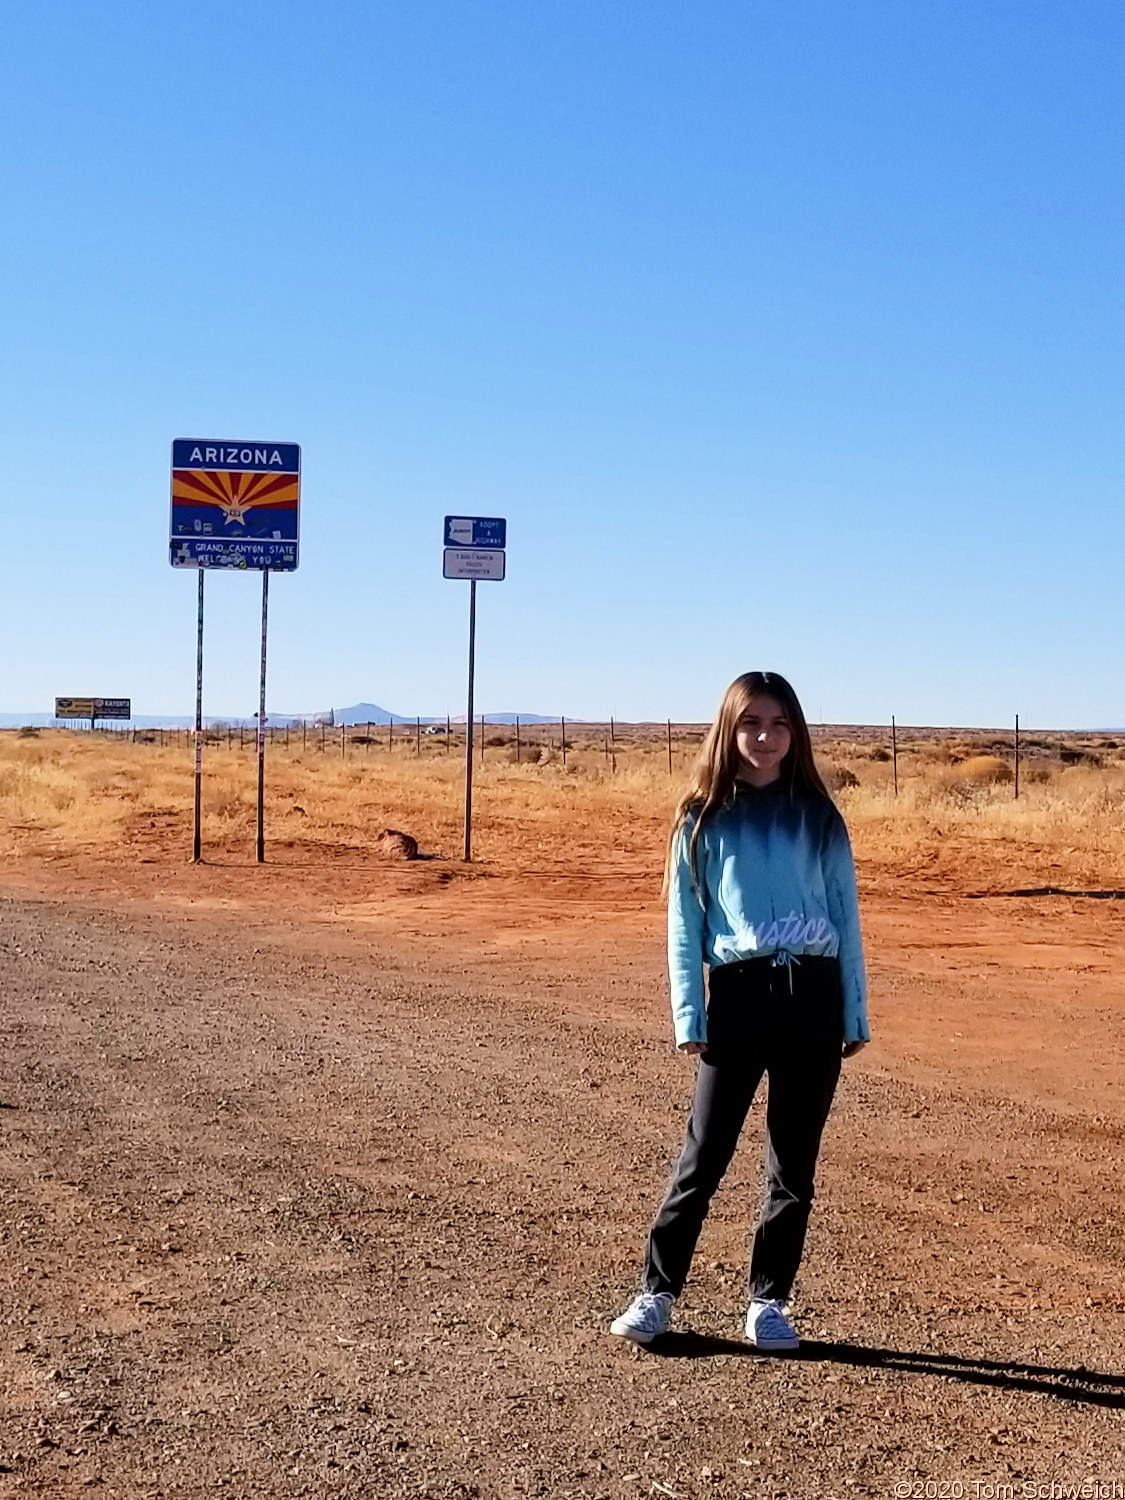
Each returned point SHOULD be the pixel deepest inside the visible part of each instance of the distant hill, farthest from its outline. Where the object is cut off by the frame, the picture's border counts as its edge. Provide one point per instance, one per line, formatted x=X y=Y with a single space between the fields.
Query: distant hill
x=366 y=713
x=523 y=718
x=371 y=713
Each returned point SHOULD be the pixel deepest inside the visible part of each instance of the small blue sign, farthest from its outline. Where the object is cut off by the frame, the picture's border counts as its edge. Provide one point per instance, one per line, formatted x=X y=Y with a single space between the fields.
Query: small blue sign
x=476 y=531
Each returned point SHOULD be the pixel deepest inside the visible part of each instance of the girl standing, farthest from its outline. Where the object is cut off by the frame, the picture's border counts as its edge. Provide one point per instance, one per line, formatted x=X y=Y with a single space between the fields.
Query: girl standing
x=761 y=888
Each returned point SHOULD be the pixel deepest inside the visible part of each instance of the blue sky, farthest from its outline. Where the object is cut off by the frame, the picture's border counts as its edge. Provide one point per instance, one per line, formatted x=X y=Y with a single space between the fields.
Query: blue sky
x=784 y=334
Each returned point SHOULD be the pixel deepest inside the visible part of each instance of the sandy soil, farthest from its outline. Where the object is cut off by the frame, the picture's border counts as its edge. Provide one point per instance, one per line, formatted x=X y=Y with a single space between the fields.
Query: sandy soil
x=328 y=1177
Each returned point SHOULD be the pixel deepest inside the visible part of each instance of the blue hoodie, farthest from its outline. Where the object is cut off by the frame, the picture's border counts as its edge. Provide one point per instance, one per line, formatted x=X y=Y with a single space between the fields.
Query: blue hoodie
x=775 y=875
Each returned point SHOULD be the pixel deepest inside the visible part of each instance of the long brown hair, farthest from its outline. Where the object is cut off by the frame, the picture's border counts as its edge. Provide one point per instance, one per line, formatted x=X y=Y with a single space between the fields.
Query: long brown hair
x=716 y=770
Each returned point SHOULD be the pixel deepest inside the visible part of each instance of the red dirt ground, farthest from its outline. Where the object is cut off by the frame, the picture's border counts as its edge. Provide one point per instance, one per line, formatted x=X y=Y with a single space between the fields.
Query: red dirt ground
x=326 y=1178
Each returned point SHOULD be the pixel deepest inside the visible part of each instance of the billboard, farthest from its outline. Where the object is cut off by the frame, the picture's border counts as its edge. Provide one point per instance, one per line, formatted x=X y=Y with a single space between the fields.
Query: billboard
x=93 y=708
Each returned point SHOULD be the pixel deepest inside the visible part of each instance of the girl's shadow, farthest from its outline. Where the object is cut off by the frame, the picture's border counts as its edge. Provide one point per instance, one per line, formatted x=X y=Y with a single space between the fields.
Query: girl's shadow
x=1087 y=1386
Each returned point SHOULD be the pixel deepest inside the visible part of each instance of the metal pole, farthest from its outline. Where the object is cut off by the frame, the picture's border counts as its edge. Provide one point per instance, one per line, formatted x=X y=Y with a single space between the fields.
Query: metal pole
x=343 y=741
x=894 y=751
x=448 y=733
x=469 y=722
x=417 y=736
x=482 y=739
x=1017 y=755
x=517 y=741
x=262 y=724
x=562 y=723
x=669 y=747
x=197 y=823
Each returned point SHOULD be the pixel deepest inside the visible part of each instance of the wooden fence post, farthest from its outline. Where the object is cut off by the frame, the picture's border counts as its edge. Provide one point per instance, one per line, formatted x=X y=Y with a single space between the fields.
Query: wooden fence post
x=894 y=751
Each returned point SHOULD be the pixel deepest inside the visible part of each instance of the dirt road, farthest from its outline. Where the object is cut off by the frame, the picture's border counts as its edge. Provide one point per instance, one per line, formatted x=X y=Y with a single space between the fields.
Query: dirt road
x=338 y=1196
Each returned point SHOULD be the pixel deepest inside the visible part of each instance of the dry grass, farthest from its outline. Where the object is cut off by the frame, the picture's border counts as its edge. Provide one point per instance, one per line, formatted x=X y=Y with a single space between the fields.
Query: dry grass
x=955 y=812
x=1065 y=829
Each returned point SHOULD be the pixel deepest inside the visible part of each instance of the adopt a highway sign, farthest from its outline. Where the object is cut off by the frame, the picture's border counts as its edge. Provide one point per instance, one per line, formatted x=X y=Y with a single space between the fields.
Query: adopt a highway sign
x=476 y=531
x=474 y=548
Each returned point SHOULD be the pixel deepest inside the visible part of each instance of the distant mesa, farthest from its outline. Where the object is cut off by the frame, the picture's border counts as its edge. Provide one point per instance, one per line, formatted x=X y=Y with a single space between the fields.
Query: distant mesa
x=364 y=713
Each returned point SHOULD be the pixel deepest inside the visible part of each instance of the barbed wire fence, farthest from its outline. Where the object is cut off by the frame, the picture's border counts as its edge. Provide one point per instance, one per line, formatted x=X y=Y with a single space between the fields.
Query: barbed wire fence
x=543 y=740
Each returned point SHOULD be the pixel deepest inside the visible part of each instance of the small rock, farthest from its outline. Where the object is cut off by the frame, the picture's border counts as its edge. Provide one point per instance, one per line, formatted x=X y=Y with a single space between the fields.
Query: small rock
x=393 y=844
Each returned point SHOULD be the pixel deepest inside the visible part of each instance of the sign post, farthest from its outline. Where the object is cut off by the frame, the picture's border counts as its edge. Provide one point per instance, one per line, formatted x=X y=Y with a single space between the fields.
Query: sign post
x=469 y=722
x=197 y=818
x=234 y=505
x=262 y=725
x=474 y=549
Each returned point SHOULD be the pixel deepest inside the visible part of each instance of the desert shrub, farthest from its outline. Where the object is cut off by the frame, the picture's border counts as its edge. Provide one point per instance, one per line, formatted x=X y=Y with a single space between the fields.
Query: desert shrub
x=28 y=732
x=983 y=769
x=880 y=752
x=839 y=778
x=496 y=740
x=962 y=794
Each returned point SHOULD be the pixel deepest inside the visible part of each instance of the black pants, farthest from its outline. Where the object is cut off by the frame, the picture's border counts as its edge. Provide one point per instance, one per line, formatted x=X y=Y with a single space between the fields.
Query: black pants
x=756 y=1024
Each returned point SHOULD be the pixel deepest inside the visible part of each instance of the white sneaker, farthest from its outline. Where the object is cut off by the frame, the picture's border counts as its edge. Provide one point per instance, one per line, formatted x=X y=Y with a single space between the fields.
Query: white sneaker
x=645 y=1319
x=769 y=1330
